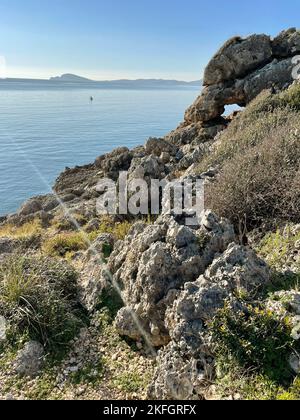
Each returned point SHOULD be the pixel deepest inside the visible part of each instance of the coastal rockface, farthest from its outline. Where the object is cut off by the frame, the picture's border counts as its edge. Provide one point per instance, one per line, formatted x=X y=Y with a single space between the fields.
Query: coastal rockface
x=173 y=280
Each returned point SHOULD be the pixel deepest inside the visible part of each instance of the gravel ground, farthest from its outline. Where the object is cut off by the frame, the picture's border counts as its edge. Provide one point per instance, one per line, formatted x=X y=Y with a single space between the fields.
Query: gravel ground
x=99 y=366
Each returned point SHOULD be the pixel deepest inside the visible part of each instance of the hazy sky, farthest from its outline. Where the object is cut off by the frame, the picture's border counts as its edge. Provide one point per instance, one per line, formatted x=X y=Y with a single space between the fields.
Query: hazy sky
x=109 y=39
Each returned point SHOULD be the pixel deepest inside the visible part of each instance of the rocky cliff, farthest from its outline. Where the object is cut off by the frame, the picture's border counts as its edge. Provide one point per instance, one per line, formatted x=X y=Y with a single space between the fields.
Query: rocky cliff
x=194 y=300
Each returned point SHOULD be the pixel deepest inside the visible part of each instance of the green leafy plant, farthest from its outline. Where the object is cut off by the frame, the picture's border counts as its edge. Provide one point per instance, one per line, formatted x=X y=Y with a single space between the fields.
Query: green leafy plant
x=255 y=340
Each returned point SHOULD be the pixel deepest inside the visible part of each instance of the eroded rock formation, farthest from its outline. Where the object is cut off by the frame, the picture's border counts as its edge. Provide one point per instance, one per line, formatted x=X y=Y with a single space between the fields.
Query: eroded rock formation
x=187 y=364
x=241 y=69
x=155 y=262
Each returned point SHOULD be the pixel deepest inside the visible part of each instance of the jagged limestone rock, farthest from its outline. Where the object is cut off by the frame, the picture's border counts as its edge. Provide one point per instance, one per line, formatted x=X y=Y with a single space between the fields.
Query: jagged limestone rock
x=3 y=329
x=211 y=104
x=29 y=360
x=93 y=279
x=148 y=168
x=156 y=147
x=241 y=70
x=287 y=43
x=114 y=162
x=152 y=265
x=180 y=377
x=195 y=133
x=186 y=365
x=30 y=207
x=237 y=58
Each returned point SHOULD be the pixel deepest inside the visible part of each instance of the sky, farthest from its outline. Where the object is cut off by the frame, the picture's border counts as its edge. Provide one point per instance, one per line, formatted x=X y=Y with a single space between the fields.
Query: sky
x=113 y=39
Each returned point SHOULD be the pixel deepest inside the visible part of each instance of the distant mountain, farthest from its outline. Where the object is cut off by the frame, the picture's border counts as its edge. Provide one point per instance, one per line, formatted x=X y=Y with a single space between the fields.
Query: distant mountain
x=150 y=83
x=70 y=78
x=72 y=81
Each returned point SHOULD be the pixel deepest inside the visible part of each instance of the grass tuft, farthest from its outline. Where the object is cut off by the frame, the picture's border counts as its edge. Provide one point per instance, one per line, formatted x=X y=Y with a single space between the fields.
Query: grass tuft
x=38 y=299
x=66 y=243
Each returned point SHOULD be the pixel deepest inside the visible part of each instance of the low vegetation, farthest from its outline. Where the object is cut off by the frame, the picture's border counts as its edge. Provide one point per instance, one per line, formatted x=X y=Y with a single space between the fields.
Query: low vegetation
x=278 y=248
x=258 y=158
x=38 y=300
x=69 y=223
x=118 y=229
x=65 y=243
x=255 y=340
x=253 y=348
x=21 y=232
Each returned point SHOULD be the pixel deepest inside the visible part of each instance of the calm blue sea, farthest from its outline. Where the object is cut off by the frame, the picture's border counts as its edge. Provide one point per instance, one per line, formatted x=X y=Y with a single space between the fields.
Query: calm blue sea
x=44 y=128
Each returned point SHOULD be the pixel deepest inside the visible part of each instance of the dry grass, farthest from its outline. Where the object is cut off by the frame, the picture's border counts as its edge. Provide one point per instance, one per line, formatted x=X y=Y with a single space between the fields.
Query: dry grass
x=118 y=229
x=65 y=243
x=21 y=232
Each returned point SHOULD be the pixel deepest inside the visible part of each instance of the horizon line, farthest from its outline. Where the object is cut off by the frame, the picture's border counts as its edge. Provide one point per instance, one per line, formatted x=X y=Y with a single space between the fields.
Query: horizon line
x=86 y=79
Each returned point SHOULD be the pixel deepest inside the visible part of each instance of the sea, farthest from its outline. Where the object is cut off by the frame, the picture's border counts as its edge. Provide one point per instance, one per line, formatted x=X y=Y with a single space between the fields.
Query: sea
x=46 y=127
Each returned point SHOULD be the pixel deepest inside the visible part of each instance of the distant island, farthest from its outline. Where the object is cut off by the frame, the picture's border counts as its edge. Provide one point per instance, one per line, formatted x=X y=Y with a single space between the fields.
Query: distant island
x=75 y=80
x=68 y=77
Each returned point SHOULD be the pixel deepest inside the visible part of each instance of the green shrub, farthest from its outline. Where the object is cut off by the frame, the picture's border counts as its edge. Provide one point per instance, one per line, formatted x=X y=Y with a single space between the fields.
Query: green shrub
x=278 y=247
x=236 y=381
x=130 y=382
x=38 y=298
x=290 y=97
x=248 y=129
x=278 y=250
x=293 y=394
x=254 y=340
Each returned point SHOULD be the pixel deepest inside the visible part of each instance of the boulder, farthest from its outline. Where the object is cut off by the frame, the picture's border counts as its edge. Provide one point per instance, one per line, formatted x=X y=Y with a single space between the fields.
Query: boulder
x=29 y=360
x=211 y=104
x=147 y=168
x=294 y=362
x=165 y=157
x=287 y=43
x=277 y=75
x=242 y=69
x=193 y=156
x=156 y=147
x=195 y=133
x=30 y=207
x=50 y=203
x=237 y=58
x=78 y=178
x=114 y=162
x=153 y=264
x=7 y=245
